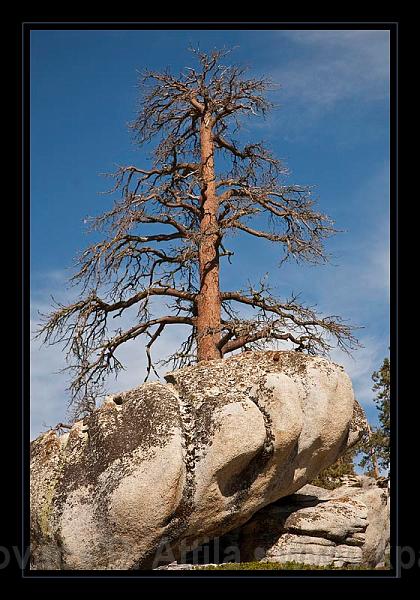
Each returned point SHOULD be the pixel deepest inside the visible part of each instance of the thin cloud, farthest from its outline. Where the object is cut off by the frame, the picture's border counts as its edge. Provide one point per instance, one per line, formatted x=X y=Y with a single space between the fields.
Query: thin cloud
x=49 y=396
x=333 y=66
x=320 y=70
x=361 y=365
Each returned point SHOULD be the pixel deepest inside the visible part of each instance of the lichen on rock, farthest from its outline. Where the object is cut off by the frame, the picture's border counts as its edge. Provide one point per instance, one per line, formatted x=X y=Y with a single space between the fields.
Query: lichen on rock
x=195 y=457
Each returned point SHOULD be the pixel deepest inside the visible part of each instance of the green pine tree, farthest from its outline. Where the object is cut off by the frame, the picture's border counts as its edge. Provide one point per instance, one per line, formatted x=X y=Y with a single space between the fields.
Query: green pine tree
x=329 y=478
x=373 y=449
x=376 y=449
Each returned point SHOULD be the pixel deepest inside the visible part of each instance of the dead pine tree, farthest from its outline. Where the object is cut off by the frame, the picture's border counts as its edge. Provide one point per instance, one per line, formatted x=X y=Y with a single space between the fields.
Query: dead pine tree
x=167 y=232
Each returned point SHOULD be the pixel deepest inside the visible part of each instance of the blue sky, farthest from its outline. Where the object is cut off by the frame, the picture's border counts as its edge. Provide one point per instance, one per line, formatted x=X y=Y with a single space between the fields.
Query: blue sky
x=331 y=129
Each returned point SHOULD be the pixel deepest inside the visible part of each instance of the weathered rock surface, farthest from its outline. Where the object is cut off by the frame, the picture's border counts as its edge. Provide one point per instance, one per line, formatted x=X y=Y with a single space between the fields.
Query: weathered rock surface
x=196 y=457
x=345 y=526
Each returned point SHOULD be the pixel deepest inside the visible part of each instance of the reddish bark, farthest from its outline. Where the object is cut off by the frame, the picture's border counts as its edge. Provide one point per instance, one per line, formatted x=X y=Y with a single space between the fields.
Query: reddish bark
x=208 y=299
x=192 y=115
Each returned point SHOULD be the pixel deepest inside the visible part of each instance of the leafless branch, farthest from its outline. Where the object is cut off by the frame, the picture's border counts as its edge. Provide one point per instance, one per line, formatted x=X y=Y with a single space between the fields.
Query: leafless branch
x=166 y=233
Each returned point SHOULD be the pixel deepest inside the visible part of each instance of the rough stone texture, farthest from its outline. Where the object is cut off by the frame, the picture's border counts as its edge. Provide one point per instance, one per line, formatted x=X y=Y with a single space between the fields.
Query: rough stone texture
x=196 y=457
x=345 y=526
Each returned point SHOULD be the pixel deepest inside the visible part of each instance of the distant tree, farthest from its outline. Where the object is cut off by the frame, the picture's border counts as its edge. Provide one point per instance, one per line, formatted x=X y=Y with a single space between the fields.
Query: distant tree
x=372 y=452
x=201 y=187
x=330 y=477
x=376 y=451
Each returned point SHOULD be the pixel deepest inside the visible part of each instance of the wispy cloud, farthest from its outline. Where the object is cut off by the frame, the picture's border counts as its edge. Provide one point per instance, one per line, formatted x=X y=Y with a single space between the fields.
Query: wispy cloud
x=333 y=66
x=357 y=280
x=319 y=71
x=49 y=395
x=360 y=367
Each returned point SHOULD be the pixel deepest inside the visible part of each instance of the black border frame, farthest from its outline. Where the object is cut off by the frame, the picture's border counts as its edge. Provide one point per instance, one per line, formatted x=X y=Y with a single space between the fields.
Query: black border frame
x=23 y=317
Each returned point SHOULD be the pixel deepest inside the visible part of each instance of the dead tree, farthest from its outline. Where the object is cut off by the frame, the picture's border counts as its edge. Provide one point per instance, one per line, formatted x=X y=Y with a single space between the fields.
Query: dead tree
x=166 y=234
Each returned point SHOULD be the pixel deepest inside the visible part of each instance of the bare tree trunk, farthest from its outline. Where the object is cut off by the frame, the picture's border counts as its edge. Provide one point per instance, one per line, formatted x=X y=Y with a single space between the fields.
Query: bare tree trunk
x=208 y=299
x=375 y=472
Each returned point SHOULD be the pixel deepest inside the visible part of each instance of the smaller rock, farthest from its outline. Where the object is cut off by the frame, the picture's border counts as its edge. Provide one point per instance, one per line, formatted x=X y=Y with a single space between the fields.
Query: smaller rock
x=345 y=526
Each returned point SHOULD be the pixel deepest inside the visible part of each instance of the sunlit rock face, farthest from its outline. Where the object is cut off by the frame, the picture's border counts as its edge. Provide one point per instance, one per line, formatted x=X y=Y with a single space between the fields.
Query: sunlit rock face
x=163 y=466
